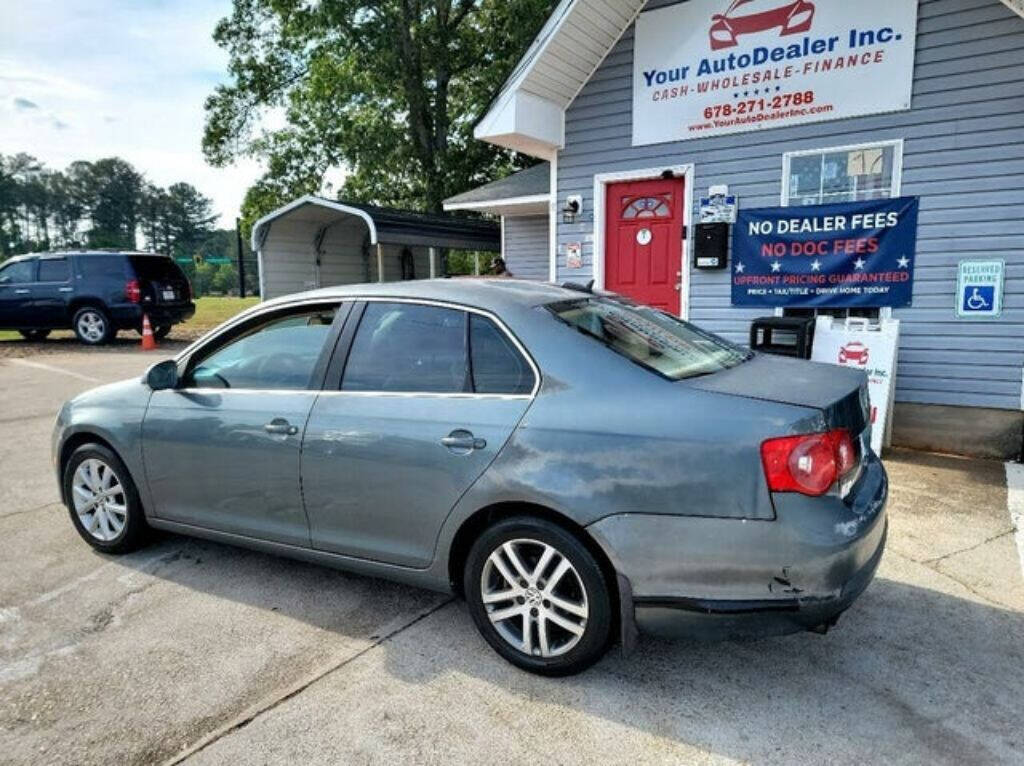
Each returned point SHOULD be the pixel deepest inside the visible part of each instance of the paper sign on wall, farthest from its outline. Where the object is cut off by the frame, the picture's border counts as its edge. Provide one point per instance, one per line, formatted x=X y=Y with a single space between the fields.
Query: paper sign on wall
x=860 y=345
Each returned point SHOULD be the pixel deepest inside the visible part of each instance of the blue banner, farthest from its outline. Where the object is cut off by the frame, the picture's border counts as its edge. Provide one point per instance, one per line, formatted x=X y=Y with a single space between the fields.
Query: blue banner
x=843 y=255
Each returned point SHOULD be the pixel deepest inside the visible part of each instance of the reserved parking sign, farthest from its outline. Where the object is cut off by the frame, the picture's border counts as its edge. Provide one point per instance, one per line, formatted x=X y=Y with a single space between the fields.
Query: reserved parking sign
x=979 y=289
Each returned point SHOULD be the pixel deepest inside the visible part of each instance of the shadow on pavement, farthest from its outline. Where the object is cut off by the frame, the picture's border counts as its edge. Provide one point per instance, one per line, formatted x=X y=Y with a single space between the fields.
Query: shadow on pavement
x=909 y=673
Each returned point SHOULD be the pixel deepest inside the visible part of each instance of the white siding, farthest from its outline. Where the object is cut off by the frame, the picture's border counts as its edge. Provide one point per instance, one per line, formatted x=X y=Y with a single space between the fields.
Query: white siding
x=289 y=265
x=963 y=155
x=526 y=246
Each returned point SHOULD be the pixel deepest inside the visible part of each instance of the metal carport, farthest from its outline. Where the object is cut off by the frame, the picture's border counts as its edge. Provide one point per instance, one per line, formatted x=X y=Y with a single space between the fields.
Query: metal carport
x=315 y=242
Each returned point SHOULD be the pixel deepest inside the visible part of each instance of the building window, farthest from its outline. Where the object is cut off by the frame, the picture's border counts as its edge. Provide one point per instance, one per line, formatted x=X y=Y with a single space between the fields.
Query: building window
x=843 y=174
x=648 y=207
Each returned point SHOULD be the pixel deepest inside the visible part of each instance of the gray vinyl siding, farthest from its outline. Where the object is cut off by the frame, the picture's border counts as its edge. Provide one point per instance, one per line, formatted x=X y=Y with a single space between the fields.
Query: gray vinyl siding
x=526 y=252
x=963 y=155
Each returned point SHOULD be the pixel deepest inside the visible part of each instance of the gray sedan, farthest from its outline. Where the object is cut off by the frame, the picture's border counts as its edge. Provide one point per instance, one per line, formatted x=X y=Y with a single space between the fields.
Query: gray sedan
x=576 y=466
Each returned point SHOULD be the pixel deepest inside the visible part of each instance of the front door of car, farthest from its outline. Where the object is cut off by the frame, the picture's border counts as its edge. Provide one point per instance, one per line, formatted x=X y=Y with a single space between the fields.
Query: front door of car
x=428 y=397
x=16 y=293
x=222 y=450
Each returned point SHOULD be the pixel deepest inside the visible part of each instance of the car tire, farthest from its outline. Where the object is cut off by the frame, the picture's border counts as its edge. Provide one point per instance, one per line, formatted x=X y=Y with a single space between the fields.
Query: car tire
x=92 y=326
x=161 y=331
x=116 y=524
x=34 y=335
x=558 y=623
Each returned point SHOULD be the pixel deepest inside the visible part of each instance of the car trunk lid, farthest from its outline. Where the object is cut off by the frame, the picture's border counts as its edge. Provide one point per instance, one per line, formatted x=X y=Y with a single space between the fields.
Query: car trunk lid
x=838 y=392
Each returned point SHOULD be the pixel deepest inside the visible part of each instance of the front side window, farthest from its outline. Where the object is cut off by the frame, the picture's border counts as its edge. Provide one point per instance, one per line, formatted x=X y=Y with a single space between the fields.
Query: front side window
x=54 y=270
x=17 y=273
x=850 y=174
x=651 y=338
x=408 y=347
x=280 y=354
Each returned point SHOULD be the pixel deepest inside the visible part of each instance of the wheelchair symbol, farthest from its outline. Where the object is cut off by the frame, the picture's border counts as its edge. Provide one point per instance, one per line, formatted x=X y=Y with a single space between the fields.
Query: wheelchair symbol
x=979 y=299
x=975 y=302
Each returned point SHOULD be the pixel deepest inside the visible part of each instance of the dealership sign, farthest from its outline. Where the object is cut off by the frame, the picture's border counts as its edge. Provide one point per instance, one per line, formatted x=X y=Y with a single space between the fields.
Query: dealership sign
x=711 y=67
x=848 y=254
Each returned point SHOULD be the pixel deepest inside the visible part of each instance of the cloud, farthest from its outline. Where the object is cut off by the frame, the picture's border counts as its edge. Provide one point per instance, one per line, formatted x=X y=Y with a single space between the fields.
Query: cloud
x=118 y=77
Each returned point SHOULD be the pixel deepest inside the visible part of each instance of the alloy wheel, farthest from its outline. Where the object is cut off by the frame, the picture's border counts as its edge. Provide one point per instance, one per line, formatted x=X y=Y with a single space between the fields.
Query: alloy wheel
x=92 y=326
x=534 y=597
x=99 y=499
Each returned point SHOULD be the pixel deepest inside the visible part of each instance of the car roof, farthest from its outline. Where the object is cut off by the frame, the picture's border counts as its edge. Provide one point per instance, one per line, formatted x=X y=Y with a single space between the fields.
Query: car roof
x=65 y=253
x=494 y=293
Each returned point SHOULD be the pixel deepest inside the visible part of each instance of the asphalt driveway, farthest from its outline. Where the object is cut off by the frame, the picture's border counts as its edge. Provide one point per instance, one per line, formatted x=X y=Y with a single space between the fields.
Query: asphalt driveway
x=196 y=652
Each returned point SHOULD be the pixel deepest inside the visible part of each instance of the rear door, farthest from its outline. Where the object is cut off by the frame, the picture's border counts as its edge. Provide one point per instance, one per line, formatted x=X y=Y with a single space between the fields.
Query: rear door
x=161 y=280
x=429 y=395
x=51 y=292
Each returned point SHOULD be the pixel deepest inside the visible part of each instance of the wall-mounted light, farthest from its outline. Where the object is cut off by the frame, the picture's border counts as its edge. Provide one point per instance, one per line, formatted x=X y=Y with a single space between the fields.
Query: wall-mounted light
x=573 y=207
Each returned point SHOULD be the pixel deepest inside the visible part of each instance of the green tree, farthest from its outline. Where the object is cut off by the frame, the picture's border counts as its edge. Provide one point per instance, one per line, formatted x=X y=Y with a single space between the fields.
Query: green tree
x=113 y=188
x=388 y=90
x=226 y=279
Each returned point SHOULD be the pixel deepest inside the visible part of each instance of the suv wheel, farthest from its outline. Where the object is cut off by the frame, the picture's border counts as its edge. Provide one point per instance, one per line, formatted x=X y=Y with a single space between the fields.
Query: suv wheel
x=538 y=596
x=161 y=331
x=34 y=335
x=103 y=501
x=92 y=326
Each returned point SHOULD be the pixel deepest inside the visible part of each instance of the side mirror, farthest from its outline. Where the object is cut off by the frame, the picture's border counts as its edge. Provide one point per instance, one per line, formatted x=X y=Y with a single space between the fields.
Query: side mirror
x=163 y=375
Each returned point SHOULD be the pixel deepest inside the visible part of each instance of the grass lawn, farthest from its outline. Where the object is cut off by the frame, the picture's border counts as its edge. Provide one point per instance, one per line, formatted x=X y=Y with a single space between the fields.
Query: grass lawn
x=210 y=312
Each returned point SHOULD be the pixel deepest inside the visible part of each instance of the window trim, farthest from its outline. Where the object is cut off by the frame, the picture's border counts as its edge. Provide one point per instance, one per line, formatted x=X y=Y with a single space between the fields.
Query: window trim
x=895 y=188
x=897 y=163
x=340 y=360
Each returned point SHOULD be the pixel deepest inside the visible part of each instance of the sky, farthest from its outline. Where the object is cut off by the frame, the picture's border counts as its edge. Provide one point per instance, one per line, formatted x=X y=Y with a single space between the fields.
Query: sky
x=86 y=79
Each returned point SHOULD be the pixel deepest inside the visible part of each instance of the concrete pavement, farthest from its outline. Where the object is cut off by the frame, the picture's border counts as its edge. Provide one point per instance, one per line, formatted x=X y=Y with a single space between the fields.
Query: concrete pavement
x=193 y=652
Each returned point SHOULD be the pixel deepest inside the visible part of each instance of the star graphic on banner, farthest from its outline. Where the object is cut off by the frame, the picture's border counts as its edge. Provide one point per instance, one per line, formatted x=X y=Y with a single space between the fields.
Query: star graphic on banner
x=815 y=265
x=740 y=268
x=903 y=262
x=776 y=266
x=859 y=263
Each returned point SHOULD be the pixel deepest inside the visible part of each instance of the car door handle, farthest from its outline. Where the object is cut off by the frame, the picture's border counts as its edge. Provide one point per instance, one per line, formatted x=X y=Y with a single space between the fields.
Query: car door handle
x=280 y=426
x=463 y=440
x=21 y=292
x=65 y=289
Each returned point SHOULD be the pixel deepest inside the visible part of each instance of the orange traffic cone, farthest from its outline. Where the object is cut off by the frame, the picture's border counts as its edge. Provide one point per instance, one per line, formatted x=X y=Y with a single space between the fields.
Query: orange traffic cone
x=148 y=341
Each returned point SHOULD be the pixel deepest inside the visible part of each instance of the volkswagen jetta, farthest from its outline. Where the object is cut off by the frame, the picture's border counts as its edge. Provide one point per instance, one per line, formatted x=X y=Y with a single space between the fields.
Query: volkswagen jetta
x=574 y=465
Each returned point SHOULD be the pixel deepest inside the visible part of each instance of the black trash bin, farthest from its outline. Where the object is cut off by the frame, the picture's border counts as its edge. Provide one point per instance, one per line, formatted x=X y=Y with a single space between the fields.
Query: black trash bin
x=785 y=336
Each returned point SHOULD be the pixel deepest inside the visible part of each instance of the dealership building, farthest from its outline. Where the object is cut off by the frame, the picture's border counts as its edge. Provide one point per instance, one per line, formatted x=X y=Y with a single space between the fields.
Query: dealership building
x=729 y=161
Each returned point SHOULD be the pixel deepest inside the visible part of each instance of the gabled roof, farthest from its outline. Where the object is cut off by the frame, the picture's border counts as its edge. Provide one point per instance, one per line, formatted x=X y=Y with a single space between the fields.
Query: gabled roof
x=525 y=192
x=528 y=114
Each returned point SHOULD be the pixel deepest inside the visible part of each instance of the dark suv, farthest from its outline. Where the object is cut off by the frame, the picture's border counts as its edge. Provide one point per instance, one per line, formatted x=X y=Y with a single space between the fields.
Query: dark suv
x=94 y=293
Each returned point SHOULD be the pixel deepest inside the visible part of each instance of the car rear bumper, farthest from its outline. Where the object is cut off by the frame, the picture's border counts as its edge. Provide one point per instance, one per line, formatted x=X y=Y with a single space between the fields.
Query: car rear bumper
x=729 y=578
x=129 y=317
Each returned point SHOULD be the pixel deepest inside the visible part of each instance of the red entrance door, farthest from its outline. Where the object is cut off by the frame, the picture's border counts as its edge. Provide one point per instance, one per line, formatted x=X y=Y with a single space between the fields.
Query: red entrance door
x=644 y=241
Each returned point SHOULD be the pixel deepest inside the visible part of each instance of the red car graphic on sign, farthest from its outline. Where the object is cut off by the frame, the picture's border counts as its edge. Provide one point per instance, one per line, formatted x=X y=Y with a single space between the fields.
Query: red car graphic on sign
x=793 y=18
x=854 y=352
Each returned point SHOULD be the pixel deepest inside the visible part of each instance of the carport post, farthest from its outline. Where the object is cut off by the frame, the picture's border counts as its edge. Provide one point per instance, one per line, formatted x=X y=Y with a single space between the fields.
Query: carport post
x=476 y=264
x=380 y=263
x=433 y=262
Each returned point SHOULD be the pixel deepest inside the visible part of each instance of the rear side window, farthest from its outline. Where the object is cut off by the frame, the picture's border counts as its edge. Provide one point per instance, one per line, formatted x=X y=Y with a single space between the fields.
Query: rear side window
x=498 y=367
x=100 y=266
x=54 y=270
x=408 y=347
x=157 y=267
x=17 y=273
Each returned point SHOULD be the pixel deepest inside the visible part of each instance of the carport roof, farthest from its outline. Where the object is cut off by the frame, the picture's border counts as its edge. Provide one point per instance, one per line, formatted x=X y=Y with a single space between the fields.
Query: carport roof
x=527 y=191
x=386 y=225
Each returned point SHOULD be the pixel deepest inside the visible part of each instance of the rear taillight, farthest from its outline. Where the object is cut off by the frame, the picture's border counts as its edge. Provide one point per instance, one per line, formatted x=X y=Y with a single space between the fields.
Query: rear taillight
x=810 y=463
x=132 y=291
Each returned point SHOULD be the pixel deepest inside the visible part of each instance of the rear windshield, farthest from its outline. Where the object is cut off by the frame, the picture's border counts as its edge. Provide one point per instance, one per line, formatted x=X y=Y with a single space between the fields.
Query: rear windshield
x=155 y=267
x=651 y=338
